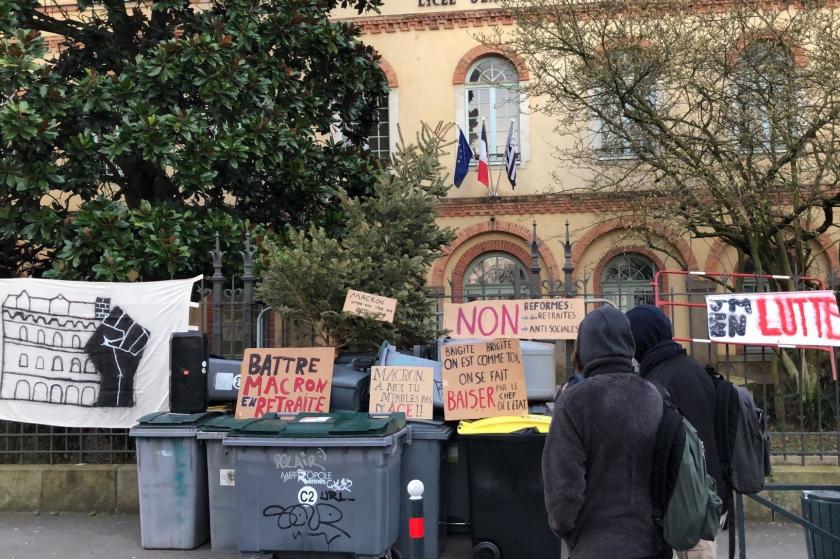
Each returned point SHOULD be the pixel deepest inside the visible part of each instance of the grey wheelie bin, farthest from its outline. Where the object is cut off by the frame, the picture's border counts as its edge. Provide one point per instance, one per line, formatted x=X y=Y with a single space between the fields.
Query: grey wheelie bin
x=172 y=480
x=424 y=459
x=324 y=484
x=823 y=509
x=221 y=480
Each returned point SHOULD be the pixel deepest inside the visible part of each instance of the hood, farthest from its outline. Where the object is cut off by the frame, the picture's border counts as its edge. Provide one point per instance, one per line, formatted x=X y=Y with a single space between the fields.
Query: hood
x=604 y=333
x=650 y=326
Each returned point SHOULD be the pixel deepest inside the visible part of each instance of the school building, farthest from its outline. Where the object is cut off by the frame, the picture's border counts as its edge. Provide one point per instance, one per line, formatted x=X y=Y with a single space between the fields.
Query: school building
x=438 y=69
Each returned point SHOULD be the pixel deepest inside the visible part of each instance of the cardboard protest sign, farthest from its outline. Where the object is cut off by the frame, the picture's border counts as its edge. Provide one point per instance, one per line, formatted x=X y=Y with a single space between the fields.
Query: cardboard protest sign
x=484 y=379
x=285 y=380
x=406 y=389
x=367 y=304
x=537 y=319
x=804 y=318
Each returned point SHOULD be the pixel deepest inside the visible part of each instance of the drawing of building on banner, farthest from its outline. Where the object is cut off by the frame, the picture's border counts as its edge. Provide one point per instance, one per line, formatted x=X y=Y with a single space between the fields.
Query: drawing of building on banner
x=43 y=355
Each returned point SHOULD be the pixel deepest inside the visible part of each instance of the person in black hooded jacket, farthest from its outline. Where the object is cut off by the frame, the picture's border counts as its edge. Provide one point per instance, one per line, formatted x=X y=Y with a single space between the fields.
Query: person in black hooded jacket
x=666 y=363
x=598 y=455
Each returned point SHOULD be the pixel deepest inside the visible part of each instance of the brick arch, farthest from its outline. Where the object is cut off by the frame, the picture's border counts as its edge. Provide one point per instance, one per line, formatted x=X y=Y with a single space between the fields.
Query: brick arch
x=480 y=51
x=797 y=53
x=612 y=225
x=715 y=258
x=644 y=251
x=473 y=231
x=494 y=245
x=390 y=73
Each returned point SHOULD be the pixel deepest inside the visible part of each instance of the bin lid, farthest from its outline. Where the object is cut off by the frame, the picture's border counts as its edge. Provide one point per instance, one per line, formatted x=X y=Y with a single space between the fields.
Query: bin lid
x=430 y=430
x=323 y=425
x=218 y=427
x=822 y=495
x=504 y=424
x=167 y=424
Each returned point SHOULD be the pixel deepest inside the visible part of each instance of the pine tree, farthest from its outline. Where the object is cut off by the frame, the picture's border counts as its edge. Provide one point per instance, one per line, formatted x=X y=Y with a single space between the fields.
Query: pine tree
x=390 y=239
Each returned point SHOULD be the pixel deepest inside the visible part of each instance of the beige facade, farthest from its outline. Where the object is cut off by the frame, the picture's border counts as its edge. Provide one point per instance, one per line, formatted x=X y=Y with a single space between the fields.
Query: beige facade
x=430 y=51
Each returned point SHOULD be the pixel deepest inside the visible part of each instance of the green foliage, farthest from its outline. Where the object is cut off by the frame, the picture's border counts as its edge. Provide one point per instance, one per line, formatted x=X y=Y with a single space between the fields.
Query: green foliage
x=184 y=116
x=389 y=242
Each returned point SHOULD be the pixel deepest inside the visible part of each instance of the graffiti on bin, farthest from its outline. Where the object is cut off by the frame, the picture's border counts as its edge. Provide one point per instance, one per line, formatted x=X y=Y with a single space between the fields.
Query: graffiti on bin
x=337 y=496
x=342 y=484
x=308 y=520
x=301 y=460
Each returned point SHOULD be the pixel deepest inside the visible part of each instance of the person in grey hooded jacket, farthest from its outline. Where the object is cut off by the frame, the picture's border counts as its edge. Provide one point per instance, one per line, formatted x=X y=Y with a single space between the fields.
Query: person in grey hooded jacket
x=599 y=450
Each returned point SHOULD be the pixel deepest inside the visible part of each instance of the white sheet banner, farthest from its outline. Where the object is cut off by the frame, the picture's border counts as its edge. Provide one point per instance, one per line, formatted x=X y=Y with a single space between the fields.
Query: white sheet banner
x=87 y=354
x=795 y=318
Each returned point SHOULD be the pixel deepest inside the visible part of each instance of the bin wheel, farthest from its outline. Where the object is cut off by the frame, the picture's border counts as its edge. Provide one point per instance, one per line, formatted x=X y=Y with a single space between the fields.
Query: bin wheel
x=486 y=550
x=395 y=554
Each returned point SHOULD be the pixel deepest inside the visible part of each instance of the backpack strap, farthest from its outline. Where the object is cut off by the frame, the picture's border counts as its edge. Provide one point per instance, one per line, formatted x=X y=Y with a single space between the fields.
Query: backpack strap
x=723 y=396
x=667 y=452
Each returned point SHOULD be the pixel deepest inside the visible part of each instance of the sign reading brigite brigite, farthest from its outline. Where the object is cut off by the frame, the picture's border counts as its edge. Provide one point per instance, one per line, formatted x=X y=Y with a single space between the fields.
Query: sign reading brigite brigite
x=403 y=389
x=370 y=305
x=485 y=379
x=285 y=380
x=534 y=319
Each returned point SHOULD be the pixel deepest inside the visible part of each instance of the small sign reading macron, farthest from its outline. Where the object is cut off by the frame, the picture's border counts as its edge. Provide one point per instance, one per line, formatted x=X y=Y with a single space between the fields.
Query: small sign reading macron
x=373 y=306
x=402 y=389
x=285 y=380
x=484 y=379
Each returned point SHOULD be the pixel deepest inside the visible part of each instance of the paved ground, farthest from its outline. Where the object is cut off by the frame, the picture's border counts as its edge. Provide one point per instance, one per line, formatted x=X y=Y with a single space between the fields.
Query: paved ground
x=78 y=536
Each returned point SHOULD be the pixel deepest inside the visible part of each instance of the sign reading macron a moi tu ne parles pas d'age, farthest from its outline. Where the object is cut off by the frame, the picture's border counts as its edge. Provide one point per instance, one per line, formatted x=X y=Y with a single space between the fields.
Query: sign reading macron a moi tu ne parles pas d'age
x=534 y=319
x=285 y=380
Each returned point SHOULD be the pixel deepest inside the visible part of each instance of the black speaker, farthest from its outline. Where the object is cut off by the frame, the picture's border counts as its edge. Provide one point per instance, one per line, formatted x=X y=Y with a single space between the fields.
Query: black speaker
x=188 y=372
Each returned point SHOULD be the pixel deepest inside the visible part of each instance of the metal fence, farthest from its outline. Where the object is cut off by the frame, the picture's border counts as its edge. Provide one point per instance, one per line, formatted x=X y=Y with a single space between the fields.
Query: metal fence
x=803 y=409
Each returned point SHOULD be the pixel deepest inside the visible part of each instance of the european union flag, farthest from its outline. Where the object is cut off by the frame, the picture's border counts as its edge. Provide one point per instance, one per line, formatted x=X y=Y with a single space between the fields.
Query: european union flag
x=462 y=160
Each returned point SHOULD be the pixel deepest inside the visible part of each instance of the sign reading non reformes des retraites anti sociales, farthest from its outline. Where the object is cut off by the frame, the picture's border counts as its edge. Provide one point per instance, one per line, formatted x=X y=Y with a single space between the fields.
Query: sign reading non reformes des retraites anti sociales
x=484 y=379
x=370 y=305
x=285 y=380
x=534 y=319
x=793 y=318
x=402 y=389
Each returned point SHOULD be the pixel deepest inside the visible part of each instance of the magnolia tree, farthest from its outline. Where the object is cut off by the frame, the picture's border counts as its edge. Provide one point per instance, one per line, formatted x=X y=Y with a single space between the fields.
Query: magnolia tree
x=389 y=241
x=717 y=119
x=155 y=124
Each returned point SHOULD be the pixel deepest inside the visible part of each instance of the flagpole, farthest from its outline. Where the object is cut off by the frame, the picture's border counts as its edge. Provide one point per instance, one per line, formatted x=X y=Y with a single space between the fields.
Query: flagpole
x=489 y=171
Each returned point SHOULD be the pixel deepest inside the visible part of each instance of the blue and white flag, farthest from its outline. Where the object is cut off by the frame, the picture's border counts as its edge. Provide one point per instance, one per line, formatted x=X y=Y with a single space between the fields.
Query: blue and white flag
x=510 y=157
x=463 y=158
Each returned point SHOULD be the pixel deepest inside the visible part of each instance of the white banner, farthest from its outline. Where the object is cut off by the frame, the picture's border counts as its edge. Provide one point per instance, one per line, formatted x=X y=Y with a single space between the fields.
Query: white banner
x=87 y=354
x=795 y=318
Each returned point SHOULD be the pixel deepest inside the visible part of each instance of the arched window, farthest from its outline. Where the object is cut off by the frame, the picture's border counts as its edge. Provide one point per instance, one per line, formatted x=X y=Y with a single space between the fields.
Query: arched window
x=58 y=340
x=39 y=362
x=75 y=365
x=492 y=93
x=76 y=342
x=57 y=365
x=765 y=96
x=41 y=338
x=626 y=280
x=24 y=334
x=496 y=275
x=23 y=361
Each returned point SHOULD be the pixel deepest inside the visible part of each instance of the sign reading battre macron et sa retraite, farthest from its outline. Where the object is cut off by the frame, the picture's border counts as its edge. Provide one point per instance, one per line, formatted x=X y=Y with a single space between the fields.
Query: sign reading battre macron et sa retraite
x=484 y=379
x=535 y=319
x=370 y=305
x=285 y=380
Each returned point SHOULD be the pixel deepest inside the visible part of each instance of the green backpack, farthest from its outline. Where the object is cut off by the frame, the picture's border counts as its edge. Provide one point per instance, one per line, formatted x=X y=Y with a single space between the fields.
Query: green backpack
x=685 y=501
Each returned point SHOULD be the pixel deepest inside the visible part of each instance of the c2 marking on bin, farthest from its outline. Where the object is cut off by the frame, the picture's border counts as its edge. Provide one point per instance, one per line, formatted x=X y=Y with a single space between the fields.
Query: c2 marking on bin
x=337 y=496
x=237 y=379
x=319 y=520
x=300 y=460
x=307 y=495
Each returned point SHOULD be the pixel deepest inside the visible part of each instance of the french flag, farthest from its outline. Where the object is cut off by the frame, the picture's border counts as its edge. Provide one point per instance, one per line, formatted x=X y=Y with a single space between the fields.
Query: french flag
x=483 y=162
